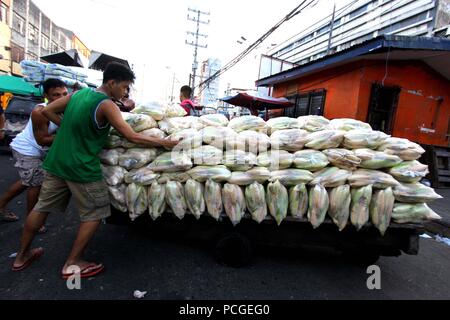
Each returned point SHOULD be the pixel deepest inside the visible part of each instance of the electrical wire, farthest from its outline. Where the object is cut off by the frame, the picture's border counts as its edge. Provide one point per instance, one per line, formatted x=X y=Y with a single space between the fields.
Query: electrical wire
x=252 y=47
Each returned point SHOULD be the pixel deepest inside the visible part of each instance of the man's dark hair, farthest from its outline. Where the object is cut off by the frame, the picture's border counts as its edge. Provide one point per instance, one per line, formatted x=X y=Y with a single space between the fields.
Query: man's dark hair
x=118 y=72
x=186 y=91
x=53 y=84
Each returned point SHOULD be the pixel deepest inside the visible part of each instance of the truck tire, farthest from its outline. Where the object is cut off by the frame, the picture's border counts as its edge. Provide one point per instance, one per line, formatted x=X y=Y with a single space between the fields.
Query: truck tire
x=234 y=250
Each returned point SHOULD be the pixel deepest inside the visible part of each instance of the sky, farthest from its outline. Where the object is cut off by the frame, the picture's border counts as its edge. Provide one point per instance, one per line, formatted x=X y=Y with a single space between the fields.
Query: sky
x=151 y=35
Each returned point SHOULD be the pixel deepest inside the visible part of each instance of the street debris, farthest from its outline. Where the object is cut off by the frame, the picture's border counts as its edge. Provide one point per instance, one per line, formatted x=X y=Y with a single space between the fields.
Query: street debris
x=139 y=294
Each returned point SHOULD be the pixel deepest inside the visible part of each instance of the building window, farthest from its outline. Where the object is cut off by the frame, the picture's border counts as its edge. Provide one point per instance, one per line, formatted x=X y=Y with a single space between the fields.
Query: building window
x=54 y=47
x=359 y=11
x=324 y=29
x=45 y=42
x=305 y=104
x=3 y=13
x=17 y=53
x=19 y=24
x=33 y=33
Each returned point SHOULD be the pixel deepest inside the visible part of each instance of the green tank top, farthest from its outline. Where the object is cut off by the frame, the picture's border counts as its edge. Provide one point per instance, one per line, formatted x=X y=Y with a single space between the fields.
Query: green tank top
x=74 y=153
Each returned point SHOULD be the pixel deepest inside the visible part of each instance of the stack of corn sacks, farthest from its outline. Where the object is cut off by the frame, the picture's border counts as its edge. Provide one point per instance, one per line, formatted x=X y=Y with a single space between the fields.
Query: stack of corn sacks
x=303 y=168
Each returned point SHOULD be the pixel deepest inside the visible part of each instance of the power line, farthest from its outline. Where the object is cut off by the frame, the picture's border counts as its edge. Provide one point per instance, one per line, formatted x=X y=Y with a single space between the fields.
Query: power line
x=252 y=47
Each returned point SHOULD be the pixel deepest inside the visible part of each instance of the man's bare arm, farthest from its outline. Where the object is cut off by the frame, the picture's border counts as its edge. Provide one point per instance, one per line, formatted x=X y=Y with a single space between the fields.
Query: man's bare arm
x=53 y=110
x=40 y=128
x=110 y=112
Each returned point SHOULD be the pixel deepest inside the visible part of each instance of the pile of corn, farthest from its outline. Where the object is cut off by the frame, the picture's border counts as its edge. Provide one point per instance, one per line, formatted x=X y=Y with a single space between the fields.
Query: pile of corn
x=304 y=168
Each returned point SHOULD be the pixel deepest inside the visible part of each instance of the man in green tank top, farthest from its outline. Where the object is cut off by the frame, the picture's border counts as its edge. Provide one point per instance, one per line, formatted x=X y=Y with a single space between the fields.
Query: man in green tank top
x=73 y=166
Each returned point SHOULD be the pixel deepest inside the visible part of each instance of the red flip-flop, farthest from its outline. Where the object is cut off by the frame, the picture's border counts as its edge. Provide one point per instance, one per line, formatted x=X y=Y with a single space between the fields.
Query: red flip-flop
x=36 y=255
x=88 y=272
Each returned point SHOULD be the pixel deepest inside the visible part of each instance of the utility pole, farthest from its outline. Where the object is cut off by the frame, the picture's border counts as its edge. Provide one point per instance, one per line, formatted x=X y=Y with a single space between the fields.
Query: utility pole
x=331 y=29
x=197 y=14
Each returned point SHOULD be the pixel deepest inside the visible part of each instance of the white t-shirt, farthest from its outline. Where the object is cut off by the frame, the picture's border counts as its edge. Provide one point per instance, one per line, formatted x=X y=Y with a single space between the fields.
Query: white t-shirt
x=25 y=143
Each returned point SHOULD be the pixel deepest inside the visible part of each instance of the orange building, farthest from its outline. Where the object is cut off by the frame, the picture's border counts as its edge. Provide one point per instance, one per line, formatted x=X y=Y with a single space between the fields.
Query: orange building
x=400 y=85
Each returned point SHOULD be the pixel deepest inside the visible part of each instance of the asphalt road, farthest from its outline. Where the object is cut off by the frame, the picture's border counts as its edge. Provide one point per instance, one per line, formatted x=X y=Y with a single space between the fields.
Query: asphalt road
x=177 y=269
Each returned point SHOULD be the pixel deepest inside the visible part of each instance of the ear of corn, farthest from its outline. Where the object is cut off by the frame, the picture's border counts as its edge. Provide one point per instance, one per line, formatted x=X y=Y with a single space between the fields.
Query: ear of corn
x=298 y=201
x=413 y=213
x=156 y=200
x=319 y=203
x=213 y=198
x=343 y=159
x=195 y=201
x=331 y=177
x=175 y=199
x=255 y=197
x=409 y=172
x=291 y=177
x=310 y=160
x=360 y=208
x=381 y=209
x=278 y=201
x=340 y=201
x=234 y=202
x=137 y=201
x=415 y=193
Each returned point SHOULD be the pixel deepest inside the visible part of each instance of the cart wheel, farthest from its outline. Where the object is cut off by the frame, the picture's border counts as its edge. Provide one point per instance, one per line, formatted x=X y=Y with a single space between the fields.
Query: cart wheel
x=234 y=250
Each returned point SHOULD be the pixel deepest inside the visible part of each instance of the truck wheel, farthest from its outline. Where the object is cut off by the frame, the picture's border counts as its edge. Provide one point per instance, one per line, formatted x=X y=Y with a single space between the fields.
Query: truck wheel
x=234 y=250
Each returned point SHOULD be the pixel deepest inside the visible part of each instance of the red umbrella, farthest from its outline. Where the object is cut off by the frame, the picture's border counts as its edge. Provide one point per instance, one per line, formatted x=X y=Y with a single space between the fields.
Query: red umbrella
x=256 y=101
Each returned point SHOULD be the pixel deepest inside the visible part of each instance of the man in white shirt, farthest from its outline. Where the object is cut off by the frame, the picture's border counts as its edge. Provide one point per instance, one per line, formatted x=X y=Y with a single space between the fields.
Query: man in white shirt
x=29 y=149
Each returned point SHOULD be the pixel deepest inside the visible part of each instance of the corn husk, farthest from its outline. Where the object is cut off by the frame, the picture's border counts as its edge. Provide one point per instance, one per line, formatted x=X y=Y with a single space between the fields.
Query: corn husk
x=376 y=160
x=349 y=125
x=181 y=177
x=282 y=123
x=326 y=139
x=193 y=192
x=137 y=201
x=155 y=110
x=238 y=160
x=310 y=160
x=175 y=110
x=364 y=139
x=113 y=175
x=143 y=177
x=183 y=135
x=234 y=202
x=291 y=177
x=137 y=158
x=249 y=141
x=381 y=208
x=117 y=196
x=275 y=160
x=409 y=172
x=114 y=142
x=331 y=177
x=259 y=174
x=206 y=156
x=413 y=213
x=360 y=208
x=138 y=122
x=289 y=140
x=111 y=157
x=277 y=201
x=298 y=201
x=313 y=123
x=171 y=162
x=340 y=202
x=214 y=120
x=343 y=159
x=155 y=133
x=415 y=193
x=403 y=148
x=213 y=199
x=156 y=200
x=216 y=173
x=378 y=179
x=219 y=137
x=177 y=124
x=319 y=203
x=175 y=199
x=255 y=197
x=248 y=123
x=241 y=179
